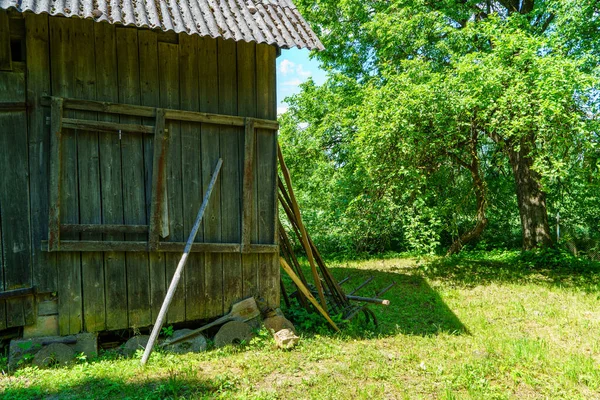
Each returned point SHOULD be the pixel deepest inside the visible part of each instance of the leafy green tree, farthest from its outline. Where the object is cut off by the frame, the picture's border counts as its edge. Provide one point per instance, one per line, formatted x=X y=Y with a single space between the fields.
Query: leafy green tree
x=445 y=85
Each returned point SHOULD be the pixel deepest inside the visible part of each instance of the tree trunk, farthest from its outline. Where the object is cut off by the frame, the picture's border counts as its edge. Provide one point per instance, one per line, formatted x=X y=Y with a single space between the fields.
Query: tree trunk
x=480 y=193
x=530 y=197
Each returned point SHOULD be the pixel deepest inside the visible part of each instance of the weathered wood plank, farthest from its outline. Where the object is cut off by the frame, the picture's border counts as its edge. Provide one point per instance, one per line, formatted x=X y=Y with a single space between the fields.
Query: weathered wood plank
x=266 y=172
x=55 y=174
x=5 y=53
x=231 y=180
x=209 y=102
x=134 y=201
x=110 y=127
x=248 y=184
x=146 y=111
x=10 y=294
x=92 y=269
x=148 y=50
x=14 y=200
x=191 y=165
x=159 y=179
x=246 y=59
x=108 y=229
x=173 y=247
x=115 y=286
x=62 y=57
x=38 y=84
x=168 y=66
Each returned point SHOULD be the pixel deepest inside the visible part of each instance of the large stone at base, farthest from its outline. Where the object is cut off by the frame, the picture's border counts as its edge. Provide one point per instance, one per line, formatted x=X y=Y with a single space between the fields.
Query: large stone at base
x=233 y=332
x=134 y=344
x=21 y=351
x=195 y=344
x=276 y=323
x=55 y=354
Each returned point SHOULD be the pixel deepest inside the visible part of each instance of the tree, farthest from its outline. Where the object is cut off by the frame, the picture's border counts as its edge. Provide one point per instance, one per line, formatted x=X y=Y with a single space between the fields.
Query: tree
x=518 y=73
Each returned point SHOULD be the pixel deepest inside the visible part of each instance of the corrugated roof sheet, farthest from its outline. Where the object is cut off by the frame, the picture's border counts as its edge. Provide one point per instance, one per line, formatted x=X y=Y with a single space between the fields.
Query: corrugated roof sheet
x=274 y=22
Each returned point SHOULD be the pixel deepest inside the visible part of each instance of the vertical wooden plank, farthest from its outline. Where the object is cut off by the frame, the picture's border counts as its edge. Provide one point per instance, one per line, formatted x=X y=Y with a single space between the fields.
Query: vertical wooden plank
x=92 y=269
x=248 y=183
x=134 y=201
x=266 y=172
x=159 y=166
x=62 y=56
x=231 y=180
x=14 y=200
x=115 y=283
x=148 y=50
x=38 y=85
x=209 y=102
x=56 y=141
x=191 y=172
x=5 y=54
x=246 y=59
x=168 y=66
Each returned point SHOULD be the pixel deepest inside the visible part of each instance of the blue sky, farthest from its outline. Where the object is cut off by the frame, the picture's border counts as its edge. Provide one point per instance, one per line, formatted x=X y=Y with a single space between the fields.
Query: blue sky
x=294 y=67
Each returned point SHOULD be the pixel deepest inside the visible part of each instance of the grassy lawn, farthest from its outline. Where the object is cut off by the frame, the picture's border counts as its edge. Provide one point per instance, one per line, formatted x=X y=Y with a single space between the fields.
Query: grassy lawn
x=476 y=326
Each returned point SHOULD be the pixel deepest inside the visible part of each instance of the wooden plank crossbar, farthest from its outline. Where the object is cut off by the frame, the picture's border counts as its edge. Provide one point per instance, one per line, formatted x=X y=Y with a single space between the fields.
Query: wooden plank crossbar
x=168 y=247
x=103 y=228
x=101 y=126
x=159 y=218
x=170 y=114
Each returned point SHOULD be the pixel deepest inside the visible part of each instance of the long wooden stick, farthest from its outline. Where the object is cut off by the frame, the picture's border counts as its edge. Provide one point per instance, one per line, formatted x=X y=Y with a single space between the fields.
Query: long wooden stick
x=177 y=275
x=306 y=292
x=296 y=209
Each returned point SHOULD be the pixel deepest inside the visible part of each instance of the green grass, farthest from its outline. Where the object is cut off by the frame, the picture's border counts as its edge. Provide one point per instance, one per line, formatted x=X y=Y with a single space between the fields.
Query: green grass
x=481 y=325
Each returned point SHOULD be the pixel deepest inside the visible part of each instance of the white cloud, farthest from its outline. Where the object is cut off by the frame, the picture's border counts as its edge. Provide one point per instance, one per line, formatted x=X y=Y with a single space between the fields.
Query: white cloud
x=293 y=82
x=281 y=110
x=300 y=71
x=286 y=67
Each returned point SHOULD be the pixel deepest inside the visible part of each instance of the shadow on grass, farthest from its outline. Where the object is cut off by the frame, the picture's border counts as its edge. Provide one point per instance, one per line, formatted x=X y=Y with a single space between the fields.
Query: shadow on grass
x=550 y=268
x=415 y=307
x=171 y=387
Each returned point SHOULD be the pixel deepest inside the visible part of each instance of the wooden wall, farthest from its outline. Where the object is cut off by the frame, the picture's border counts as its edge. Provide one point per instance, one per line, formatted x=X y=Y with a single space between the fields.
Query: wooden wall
x=107 y=177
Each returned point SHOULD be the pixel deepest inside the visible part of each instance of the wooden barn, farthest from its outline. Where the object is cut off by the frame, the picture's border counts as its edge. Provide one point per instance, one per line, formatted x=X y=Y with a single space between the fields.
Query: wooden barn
x=113 y=116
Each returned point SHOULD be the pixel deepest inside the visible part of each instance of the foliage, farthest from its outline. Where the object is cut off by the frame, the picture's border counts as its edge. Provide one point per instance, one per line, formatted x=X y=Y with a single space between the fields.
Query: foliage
x=380 y=152
x=167 y=331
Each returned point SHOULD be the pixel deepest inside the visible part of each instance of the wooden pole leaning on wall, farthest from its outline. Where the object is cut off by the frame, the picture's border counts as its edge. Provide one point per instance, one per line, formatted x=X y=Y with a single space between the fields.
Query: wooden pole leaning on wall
x=306 y=292
x=288 y=181
x=177 y=275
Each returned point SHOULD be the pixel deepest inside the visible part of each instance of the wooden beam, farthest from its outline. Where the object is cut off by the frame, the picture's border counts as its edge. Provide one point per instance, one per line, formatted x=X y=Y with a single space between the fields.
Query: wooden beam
x=5 y=54
x=170 y=114
x=167 y=247
x=104 y=228
x=306 y=292
x=304 y=236
x=13 y=106
x=159 y=176
x=105 y=107
x=102 y=126
x=55 y=174
x=248 y=183
x=11 y=294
